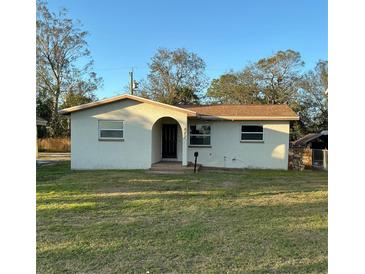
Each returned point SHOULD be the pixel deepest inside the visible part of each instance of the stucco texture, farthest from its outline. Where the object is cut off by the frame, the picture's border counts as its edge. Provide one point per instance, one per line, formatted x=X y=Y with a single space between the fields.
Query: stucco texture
x=135 y=151
x=141 y=146
x=228 y=151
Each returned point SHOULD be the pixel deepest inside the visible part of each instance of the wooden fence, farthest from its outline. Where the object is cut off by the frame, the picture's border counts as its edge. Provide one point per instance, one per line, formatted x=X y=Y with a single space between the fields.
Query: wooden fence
x=54 y=145
x=300 y=158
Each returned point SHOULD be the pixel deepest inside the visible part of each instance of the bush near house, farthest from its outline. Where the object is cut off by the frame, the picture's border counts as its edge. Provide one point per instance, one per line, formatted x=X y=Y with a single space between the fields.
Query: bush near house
x=54 y=145
x=252 y=221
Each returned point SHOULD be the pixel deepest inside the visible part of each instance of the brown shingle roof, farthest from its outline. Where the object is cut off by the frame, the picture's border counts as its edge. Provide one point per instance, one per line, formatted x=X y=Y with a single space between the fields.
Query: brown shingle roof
x=230 y=112
x=262 y=112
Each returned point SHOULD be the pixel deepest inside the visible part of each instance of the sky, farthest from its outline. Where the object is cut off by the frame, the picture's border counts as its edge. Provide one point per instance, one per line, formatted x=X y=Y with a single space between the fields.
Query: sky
x=226 y=34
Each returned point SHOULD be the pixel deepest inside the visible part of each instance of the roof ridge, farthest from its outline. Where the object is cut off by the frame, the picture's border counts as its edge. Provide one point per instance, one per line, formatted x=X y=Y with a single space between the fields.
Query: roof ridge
x=259 y=111
x=116 y=98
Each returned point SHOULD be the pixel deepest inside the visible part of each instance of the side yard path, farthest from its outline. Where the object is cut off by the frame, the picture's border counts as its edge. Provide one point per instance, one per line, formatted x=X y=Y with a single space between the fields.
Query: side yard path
x=252 y=221
x=50 y=158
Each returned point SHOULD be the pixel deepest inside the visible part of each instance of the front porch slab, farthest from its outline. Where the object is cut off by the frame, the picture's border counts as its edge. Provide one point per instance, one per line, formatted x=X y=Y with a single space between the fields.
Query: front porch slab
x=169 y=166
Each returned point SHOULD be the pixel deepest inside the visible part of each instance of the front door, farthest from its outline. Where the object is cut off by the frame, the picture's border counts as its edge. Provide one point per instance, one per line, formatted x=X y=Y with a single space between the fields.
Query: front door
x=169 y=141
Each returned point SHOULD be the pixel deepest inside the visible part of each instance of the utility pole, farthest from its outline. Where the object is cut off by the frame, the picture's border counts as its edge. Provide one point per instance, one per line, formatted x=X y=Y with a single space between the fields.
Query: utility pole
x=131 y=81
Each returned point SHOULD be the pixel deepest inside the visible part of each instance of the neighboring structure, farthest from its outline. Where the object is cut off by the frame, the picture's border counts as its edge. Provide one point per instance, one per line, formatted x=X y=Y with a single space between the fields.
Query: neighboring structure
x=313 y=140
x=40 y=122
x=130 y=132
x=314 y=145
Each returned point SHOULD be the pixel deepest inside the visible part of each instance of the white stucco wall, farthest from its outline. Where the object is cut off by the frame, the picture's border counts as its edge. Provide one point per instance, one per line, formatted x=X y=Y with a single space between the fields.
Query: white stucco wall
x=157 y=140
x=142 y=142
x=227 y=151
x=135 y=152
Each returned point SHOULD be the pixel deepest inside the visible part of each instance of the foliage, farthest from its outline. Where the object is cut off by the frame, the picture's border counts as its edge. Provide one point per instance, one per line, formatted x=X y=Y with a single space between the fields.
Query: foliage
x=253 y=221
x=313 y=102
x=279 y=76
x=77 y=98
x=175 y=77
x=43 y=109
x=64 y=65
x=271 y=80
x=279 y=79
x=186 y=95
x=235 y=88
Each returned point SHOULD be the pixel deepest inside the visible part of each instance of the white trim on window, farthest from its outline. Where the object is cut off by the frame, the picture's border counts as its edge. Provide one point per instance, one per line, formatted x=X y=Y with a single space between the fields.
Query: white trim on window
x=252 y=132
x=119 y=129
x=200 y=135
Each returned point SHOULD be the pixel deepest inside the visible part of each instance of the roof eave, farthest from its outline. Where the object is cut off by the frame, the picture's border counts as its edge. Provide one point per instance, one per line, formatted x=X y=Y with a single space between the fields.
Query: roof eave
x=248 y=118
x=68 y=111
x=64 y=112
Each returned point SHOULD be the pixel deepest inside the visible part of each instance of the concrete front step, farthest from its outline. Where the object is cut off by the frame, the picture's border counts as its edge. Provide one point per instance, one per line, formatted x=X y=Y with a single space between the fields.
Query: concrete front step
x=173 y=166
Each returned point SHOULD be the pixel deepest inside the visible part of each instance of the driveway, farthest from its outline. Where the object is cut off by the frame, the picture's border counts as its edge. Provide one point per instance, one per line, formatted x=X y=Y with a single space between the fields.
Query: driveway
x=48 y=158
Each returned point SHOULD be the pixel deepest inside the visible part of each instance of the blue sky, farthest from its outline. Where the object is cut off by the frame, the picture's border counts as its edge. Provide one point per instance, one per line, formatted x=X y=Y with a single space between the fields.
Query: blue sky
x=226 y=34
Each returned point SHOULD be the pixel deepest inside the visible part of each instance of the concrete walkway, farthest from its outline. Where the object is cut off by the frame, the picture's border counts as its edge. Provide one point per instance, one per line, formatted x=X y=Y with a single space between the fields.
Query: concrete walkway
x=172 y=167
x=50 y=158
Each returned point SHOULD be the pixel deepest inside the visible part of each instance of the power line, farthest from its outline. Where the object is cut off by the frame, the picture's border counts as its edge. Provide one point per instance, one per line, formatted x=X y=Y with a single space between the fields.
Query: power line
x=147 y=67
x=117 y=68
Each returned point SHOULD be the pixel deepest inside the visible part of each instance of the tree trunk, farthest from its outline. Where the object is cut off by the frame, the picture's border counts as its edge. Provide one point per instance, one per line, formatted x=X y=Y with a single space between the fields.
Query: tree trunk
x=55 y=121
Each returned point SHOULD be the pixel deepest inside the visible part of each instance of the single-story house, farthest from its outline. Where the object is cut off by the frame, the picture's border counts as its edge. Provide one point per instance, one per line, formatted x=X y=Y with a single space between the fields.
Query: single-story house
x=131 y=132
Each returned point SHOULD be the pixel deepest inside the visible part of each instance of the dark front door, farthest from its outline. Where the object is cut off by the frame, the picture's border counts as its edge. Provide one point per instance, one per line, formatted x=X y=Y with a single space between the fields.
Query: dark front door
x=169 y=141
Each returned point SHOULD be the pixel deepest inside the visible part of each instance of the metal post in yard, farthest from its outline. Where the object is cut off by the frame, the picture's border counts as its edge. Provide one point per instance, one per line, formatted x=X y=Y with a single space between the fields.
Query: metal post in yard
x=325 y=159
x=131 y=81
x=196 y=154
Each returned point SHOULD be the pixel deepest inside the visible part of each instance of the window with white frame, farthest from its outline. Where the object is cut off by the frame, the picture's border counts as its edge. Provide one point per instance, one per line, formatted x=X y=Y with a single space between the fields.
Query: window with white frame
x=252 y=133
x=110 y=130
x=199 y=135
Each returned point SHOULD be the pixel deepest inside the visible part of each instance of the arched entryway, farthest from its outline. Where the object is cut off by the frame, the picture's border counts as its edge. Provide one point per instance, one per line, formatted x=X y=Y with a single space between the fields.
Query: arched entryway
x=167 y=140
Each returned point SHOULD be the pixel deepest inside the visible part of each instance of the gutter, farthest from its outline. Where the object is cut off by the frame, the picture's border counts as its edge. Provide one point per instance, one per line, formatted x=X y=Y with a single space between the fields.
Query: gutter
x=248 y=118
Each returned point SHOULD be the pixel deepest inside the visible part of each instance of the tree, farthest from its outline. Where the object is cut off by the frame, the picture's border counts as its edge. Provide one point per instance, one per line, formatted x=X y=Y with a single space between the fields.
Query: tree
x=186 y=95
x=64 y=65
x=279 y=76
x=43 y=109
x=175 y=77
x=235 y=87
x=271 y=80
x=70 y=99
x=313 y=102
x=43 y=105
x=76 y=98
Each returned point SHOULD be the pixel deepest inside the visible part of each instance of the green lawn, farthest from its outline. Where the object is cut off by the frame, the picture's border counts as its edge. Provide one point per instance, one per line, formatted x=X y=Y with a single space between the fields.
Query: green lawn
x=214 y=222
